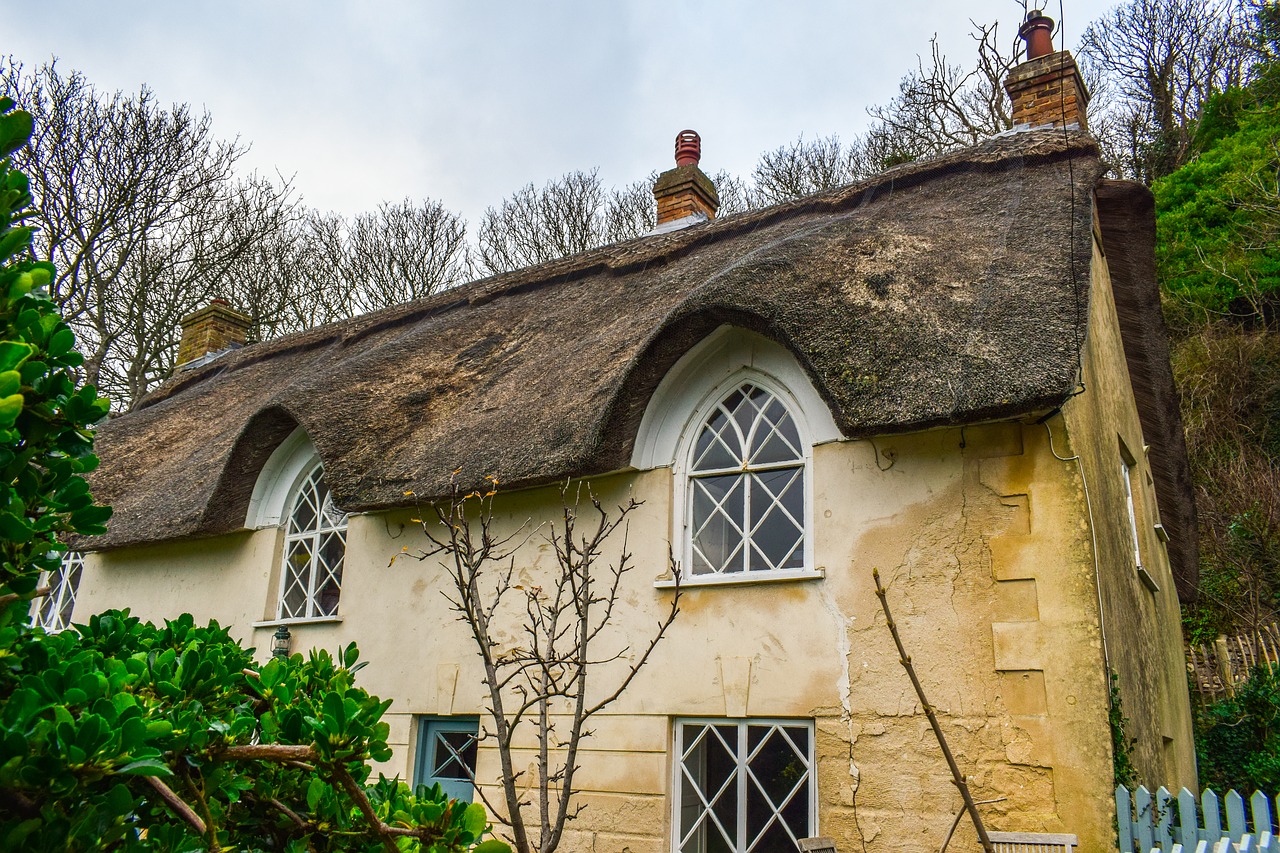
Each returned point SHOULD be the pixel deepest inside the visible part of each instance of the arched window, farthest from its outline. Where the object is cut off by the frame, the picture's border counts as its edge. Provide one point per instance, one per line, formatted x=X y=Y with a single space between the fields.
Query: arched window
x=737 y=418
x=315 y=545
x=745 y=495
x=53 y=611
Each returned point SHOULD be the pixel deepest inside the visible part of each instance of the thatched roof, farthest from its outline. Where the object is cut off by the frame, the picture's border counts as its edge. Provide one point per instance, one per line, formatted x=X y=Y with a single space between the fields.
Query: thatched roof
x=941 y=292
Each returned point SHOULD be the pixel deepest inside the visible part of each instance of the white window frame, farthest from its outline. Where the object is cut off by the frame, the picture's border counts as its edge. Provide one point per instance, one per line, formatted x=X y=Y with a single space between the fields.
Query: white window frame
x=64 y=585
x=287 y=468
x=741 y=780
x=1126 y=476
x=683 y=491
x=1128 y=463
x=271 y=505
x=315 y=533
x=691 y=389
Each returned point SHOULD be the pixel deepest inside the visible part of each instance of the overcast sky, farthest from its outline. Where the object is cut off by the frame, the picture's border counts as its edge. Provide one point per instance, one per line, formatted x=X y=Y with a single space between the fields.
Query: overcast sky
x=464 y=102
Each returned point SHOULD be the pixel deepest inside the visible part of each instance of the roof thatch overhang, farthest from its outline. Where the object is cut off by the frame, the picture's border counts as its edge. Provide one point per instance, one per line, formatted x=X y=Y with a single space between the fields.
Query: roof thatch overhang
x=1126 y=218
x=941 y=292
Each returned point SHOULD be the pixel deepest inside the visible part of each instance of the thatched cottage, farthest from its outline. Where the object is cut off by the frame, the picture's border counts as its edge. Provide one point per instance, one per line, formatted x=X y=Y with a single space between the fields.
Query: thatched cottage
x=956 y=372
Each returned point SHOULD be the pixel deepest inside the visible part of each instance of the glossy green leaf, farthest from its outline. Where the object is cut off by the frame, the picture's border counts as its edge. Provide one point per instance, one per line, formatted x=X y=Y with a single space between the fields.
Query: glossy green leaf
x=14 y=353
x=145 y=767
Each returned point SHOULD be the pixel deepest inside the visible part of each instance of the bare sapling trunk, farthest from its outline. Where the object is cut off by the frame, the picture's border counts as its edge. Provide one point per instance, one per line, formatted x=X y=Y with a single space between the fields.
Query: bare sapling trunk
x=540 y=644
x=956 y=776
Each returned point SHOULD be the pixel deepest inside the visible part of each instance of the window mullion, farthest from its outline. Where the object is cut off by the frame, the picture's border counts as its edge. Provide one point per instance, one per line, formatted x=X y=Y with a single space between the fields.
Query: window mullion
x=313 y=603
x=741 y=758
x=58 y=589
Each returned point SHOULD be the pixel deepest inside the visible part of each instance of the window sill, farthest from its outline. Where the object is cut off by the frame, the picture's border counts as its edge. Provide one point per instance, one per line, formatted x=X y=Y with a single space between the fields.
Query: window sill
x=306 y=620
x=1147 y=580
x=740 y=579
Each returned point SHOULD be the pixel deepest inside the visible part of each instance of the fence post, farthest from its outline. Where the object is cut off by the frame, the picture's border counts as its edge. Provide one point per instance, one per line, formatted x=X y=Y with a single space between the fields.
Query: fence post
x=1124 y=819
x=1164 y=818
x=1212 y=818
x=1190 y=828
x=1142 y=805
x=1224 y=665
x=1261 y=814
x=1235 y=815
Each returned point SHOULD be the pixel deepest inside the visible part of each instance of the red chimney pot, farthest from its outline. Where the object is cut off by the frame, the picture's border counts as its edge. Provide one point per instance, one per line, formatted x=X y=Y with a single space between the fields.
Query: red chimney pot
x=688 y=148
x=1038 y=34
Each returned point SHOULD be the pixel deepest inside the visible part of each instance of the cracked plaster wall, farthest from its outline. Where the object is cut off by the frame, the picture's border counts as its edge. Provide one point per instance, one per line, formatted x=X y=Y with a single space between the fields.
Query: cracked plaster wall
x=979 y=537
x=1144 y=633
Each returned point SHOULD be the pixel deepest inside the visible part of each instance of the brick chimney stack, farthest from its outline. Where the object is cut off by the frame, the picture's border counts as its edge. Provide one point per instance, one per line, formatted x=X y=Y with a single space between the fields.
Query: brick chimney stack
x=1047 y=88
x=685 y=191
x=212 y=329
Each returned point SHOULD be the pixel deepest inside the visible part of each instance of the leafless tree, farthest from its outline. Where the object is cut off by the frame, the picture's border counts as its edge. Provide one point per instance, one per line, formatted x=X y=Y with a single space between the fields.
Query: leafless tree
x=803 y=168
x=535 y=225
x=141 y=211
x=1164 y=59
x=401 y=252
x=736 y=196
x=941 y=106
x=629 y=211
x=541 y=645
x=576 y=212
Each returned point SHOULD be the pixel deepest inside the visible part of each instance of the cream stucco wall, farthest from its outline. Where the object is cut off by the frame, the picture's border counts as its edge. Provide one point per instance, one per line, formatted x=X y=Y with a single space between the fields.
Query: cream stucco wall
x=983 y=537
x=979 y=535
x=1144 y=634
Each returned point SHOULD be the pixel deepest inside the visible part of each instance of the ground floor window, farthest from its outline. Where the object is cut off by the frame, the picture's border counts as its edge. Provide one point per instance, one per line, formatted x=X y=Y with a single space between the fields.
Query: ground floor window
x=447 y=754
x=743 y=786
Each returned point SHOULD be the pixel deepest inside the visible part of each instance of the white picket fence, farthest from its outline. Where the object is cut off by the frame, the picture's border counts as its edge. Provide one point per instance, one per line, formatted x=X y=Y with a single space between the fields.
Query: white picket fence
x=1147 y=824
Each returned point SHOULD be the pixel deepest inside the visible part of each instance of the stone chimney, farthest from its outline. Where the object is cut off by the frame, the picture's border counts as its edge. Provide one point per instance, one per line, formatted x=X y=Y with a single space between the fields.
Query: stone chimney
x=1047 y=88
x=212 y=329
x=684 y=191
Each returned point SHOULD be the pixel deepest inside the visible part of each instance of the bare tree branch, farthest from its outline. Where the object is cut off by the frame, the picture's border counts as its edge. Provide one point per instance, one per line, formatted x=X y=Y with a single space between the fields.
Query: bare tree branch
x=546 y=677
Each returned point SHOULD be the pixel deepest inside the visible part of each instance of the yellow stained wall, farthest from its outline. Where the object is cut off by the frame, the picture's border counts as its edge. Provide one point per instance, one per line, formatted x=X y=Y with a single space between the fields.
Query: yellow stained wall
x=989 y=574
x=1144 y=633
x=984 y=541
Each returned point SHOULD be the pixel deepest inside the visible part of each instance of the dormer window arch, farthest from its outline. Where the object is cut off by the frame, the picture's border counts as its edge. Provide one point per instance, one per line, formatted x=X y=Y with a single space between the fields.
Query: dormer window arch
x=291 y=493
x=736 y=419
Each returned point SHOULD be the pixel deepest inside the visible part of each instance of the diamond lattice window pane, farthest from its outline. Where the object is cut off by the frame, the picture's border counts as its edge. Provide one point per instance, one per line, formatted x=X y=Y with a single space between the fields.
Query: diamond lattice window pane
x=777 y=532
x=331 y=515
x=53 y=611
x=315 y=548
x=776 y=768
x=739 y=404
x=744 y=787
x=304 y=516
x=46 y=608
x=719 y=509
x=746 y=493
x=709 y=812
x=776 y=438
x=719 y=446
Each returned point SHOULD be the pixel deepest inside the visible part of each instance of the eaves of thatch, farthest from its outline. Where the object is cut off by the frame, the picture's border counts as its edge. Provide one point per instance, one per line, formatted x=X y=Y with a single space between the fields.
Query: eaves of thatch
x=940 y=292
